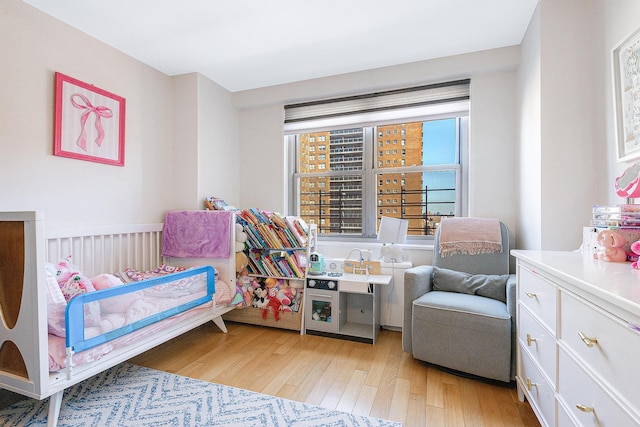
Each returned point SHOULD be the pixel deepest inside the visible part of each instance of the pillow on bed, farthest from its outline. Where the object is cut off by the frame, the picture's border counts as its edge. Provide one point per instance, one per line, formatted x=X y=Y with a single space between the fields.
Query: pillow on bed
x=486 y=285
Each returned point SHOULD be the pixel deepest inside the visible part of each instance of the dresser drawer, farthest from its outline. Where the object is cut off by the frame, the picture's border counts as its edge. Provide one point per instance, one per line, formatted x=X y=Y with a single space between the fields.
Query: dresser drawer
x=614 y=357
x=539 y=342
x=538 y=295
x=539 y=393
x=588 y=403
x=564 y=419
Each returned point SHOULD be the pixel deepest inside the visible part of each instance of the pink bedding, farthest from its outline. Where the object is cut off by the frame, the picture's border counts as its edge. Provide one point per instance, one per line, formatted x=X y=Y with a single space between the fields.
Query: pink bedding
x=121 y=310
x=57 y=346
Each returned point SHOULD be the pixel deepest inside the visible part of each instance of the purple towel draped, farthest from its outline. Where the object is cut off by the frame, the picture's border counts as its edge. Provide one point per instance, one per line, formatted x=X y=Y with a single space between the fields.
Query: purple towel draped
x=197 y=234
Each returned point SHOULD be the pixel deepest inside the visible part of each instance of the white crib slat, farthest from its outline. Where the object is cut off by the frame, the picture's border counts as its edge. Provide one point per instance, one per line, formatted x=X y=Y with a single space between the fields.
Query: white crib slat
x=130 y=246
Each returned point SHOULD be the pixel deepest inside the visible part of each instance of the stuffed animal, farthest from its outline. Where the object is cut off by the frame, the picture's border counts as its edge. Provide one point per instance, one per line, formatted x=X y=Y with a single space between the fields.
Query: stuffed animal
x=260 y=299
x=285 y=295
x=241 y=238
x=611 y=247
x=72 y=282
x=274 y=304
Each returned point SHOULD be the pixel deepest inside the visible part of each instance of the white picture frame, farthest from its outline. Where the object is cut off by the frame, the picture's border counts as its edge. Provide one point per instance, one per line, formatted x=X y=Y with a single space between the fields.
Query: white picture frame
x=626 y=80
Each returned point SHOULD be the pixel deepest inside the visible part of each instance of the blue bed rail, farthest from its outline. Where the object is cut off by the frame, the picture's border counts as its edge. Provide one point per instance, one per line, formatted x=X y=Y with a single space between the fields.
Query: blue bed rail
x=74 y=318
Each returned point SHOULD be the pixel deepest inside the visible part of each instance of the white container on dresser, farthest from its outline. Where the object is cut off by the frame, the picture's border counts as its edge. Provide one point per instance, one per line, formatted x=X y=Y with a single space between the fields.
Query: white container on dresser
x=578 y=323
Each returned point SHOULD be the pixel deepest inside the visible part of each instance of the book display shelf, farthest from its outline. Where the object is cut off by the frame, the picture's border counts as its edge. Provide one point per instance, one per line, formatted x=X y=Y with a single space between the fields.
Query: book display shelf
x=277 y=247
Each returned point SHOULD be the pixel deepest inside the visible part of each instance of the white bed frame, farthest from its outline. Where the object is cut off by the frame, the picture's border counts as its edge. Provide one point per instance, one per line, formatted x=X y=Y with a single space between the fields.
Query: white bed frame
x=24 y=359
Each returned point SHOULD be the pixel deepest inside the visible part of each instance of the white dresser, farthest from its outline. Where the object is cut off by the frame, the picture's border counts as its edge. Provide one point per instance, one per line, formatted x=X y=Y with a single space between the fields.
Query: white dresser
x=578 y=327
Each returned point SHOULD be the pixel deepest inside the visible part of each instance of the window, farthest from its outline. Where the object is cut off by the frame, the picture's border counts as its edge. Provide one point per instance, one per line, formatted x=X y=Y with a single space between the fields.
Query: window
x=428 y=174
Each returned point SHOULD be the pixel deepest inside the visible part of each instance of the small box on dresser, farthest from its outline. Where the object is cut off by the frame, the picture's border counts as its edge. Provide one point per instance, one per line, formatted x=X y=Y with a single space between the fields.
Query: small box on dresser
x=577 y=346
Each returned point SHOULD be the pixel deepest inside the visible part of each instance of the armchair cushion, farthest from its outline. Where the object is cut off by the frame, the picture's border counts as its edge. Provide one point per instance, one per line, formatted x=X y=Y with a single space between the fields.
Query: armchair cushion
x=486 y=285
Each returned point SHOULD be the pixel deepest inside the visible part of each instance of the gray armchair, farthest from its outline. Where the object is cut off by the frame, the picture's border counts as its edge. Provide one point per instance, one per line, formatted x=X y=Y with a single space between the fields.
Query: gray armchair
x=466 y=321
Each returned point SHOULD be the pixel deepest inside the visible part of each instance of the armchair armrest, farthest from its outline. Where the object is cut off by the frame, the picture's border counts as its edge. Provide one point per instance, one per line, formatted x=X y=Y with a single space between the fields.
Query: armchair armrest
x=417 y=282
x=512 y=298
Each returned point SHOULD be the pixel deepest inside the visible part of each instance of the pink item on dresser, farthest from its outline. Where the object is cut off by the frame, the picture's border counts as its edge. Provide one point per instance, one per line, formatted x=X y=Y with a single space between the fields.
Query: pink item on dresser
x=611 y=247
x=196 y=234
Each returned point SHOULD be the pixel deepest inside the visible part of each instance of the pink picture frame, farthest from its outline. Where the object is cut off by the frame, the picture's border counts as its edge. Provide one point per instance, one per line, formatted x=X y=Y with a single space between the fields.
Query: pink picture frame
x=88 y=123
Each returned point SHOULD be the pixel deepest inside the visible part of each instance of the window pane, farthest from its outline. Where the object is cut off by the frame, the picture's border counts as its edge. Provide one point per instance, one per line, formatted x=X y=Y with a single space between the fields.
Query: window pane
x=440 y=197
x=422 y=198
x=410 y=170
x=439 y=142
x=345 y=150
x=333 y=203
x=410 y=153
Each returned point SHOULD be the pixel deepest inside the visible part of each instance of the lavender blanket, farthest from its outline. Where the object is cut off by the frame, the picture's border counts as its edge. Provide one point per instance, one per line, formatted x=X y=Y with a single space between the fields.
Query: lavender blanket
x=196 y=234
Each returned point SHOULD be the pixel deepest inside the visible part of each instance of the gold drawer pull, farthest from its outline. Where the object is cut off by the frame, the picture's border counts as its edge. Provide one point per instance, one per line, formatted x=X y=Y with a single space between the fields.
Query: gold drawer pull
x=531 y=294
x=531 y=385
x=588 y=341
x=530 y=340
x=584 y=408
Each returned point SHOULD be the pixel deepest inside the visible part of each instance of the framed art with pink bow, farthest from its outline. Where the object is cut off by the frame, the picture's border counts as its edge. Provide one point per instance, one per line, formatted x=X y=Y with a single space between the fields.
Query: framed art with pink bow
x=89 y=122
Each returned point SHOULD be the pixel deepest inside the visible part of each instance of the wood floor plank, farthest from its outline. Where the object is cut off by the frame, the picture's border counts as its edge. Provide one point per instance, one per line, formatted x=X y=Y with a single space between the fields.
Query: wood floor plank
x=416 y=414
x=365 y=400
x=344 y=373
x=321 y=389
x=381 y=349
x=435 y=391
x=376 y=380
x=418 y=378
x=382 y=402
x=352 y=391
x=400 y=400
x=471 y=410
x=453 y=405
x=435 y=416
x=489 y=405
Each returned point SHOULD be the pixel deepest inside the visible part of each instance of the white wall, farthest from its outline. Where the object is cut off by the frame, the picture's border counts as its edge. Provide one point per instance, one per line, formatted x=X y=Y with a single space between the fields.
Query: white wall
x=529 y=171
x=492 y=183
x=568 y=122
x=181 y=139
x=262 y=159
x=560 y=156
x=33 y=46
x=218 y=154
x=185 y=148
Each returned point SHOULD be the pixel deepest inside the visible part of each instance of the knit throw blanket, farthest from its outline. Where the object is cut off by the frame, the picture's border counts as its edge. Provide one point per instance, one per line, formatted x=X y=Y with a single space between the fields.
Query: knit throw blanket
x=469 y=236
x=196 y=234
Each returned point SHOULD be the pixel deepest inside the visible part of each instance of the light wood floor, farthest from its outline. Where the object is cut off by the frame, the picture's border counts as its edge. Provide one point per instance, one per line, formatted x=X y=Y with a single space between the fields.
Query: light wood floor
x=377 y=380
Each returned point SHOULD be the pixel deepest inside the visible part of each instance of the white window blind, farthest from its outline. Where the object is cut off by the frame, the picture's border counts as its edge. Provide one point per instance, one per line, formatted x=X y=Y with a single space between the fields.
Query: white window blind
x=379 y=101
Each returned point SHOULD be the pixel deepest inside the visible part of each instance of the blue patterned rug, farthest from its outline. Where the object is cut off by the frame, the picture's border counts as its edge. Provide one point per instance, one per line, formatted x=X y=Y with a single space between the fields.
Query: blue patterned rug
x=130 y=395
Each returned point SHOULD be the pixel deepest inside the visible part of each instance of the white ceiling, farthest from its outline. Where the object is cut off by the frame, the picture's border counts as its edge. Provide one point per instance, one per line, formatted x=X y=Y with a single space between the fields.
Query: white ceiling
x=247 y=44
